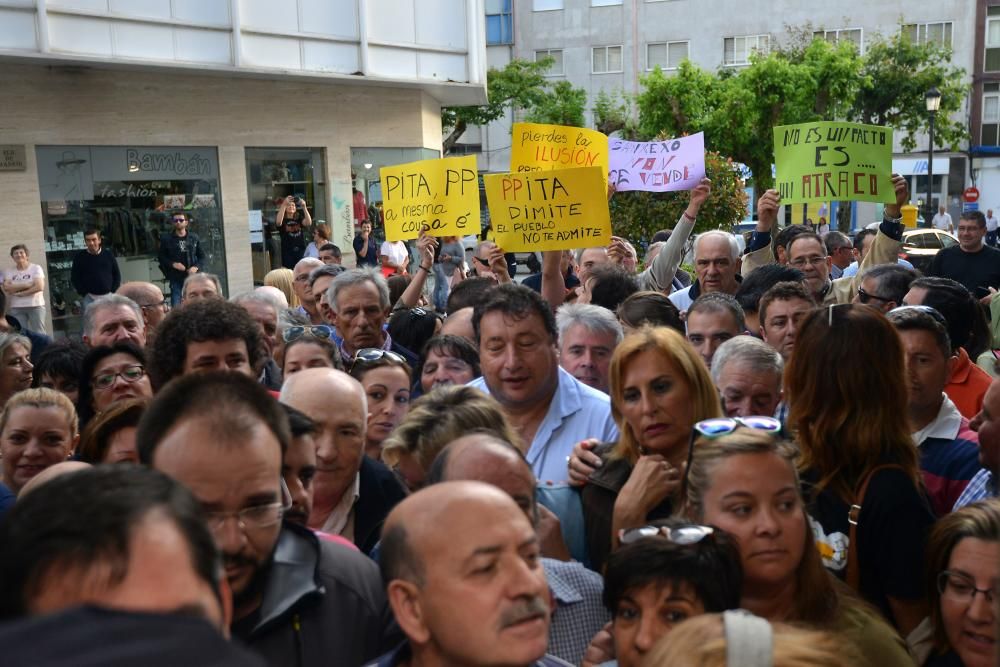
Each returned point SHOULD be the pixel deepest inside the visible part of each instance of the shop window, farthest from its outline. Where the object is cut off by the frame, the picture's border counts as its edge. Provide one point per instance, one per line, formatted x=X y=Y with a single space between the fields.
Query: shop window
x=366 y=189
x=130 y=194
x=273 y=174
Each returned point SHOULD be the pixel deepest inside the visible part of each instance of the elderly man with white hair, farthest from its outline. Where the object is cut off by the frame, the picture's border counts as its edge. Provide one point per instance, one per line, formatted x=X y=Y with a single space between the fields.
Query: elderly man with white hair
x=588 y=335
x=717 y=264
x=747 y=372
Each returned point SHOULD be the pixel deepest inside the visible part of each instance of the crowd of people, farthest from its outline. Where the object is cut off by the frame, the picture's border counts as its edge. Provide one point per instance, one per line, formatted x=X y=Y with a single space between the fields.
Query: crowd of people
x=423 y=462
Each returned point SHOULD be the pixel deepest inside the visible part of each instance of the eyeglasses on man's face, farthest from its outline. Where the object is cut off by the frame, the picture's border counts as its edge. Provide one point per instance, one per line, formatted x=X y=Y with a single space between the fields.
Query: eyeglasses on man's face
x=250 y=519
x=865 y=297
x=815 y=262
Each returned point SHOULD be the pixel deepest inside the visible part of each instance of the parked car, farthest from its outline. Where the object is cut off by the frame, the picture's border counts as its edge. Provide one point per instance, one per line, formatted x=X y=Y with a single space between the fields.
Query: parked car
x=920 y=246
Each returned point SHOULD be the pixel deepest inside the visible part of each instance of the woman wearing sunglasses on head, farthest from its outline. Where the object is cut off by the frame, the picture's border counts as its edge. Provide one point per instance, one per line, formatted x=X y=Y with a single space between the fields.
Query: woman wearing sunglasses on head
x=386 y=378
x=659 y=389
x=308 y=347
x=848 y=408
x=963 y=577
x=110 y=374
x=744 y=481
x=664 y=574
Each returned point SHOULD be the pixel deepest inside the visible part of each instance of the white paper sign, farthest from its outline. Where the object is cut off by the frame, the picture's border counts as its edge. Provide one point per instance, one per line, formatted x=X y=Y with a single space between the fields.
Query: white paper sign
x=657 y=166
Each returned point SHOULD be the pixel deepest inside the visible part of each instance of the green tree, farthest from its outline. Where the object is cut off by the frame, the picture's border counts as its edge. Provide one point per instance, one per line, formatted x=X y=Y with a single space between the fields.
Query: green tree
x=520 y=84
x=639 y=215
x=896 y=75
x=560 y=104
x=613 y=113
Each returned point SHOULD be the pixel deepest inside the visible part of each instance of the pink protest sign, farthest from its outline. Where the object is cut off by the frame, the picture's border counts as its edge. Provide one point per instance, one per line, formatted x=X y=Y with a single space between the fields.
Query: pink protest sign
x=657 y=166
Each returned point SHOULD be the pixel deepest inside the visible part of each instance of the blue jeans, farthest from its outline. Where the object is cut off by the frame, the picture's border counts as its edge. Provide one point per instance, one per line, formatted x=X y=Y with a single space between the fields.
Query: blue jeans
x=442 y=286
x=176 y=287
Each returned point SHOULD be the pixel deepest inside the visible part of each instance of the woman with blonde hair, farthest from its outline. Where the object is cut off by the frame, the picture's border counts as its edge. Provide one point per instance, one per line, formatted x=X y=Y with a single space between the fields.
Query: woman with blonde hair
x=744 y=481
x=283 y=280
x=963 y=573
x=38 y=429
x=739 y=639
x=659 y=389
x=434 y=420
x=848 y=409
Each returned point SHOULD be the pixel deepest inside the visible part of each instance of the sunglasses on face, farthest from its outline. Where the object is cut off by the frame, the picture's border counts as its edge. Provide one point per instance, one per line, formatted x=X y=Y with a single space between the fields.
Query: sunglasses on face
x=720 y=426
x=373 y=355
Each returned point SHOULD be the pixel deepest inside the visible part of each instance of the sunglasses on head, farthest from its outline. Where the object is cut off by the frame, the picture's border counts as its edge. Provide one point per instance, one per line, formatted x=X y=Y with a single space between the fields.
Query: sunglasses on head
x=688 y=534
x=314 y=331
x=373 y=355
x=720 y=426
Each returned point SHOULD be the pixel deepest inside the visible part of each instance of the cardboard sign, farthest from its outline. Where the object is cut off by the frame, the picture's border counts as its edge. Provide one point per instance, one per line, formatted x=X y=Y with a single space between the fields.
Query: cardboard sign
x=657 y=166
x=536 y=147
x=442 y=194
x=833 y=161
x=549 y=210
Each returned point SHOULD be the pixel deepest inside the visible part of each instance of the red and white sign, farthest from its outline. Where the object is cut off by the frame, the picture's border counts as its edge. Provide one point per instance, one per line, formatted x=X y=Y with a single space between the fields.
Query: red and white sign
x=970 y=195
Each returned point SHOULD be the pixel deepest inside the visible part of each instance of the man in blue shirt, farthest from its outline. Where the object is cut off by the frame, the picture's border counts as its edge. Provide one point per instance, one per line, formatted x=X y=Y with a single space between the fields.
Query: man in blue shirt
x=551 y=410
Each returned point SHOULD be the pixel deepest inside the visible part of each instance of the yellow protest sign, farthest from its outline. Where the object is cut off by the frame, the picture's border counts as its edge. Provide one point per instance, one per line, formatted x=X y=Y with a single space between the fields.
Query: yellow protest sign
x=442 y=194
x=820 y=162
x=549 y=210
x=536 y=147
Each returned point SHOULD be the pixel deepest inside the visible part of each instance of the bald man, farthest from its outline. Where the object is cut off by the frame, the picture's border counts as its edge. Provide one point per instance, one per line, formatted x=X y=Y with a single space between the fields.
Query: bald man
x=463 y=573
x=150 y=300
x=575 y=591
x=459 y=323
x=352 y=494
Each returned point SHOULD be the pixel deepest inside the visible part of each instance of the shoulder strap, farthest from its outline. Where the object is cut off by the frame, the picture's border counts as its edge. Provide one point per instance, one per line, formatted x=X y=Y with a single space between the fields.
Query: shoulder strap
x=853 y=516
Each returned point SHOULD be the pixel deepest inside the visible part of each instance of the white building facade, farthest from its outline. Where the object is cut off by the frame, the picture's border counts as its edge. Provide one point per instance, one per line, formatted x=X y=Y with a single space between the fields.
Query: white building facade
x=118 y=113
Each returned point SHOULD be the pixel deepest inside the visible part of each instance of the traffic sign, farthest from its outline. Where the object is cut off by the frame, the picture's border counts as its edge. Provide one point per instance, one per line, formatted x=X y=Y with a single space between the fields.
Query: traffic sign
x=971 y=195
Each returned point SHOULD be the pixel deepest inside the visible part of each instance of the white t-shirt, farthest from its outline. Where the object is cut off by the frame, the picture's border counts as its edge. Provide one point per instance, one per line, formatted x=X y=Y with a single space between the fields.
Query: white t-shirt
x=396 y=252
x=991 y=224
x=942 y=221
x=25 y=277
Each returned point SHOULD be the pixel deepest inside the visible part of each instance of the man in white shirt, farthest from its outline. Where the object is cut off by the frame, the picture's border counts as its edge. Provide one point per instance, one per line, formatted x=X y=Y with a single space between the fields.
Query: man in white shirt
x=943 y=222
x=991 y=228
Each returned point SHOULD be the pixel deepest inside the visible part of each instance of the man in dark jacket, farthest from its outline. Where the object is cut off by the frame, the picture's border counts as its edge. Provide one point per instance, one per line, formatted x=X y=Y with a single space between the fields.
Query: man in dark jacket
x=180 y=255
x=352 y=493
x=297 y=600
x=95 y=270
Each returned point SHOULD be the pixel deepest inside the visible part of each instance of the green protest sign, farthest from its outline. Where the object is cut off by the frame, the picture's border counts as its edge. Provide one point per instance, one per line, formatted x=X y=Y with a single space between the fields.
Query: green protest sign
x=828 y=161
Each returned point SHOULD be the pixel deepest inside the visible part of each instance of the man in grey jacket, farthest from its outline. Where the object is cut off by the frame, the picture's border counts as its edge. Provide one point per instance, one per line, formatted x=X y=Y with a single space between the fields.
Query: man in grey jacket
x=297 y=599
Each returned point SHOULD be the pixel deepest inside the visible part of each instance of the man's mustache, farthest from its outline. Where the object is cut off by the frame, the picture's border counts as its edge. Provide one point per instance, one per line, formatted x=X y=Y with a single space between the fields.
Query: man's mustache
x=524 y=610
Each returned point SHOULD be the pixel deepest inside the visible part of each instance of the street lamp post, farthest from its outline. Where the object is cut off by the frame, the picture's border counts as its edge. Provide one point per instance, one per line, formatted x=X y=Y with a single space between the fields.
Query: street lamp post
x=933 y=100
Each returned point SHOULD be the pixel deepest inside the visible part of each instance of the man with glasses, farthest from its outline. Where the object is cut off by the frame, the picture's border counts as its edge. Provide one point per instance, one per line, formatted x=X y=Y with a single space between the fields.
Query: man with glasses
x=180 y=255
x=807 y=251
x=971 y=262
x=883 y=287
x=224 y=437
x=300 y=285
x=352 y=493
x=152 y=303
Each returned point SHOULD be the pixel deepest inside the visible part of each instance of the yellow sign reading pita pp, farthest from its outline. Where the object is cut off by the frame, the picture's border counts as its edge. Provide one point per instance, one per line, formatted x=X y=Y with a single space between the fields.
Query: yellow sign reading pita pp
x=442 y=194
x=536 y=147
x=549 y=210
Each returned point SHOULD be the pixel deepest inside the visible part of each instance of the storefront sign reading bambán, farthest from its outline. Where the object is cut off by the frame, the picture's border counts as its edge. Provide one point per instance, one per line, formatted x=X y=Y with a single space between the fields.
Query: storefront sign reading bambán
x=140 y=160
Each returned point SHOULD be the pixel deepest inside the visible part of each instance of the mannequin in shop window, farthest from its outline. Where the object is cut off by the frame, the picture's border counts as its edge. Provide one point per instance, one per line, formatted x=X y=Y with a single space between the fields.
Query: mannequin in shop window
x=290 y=220
x=180 y=255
